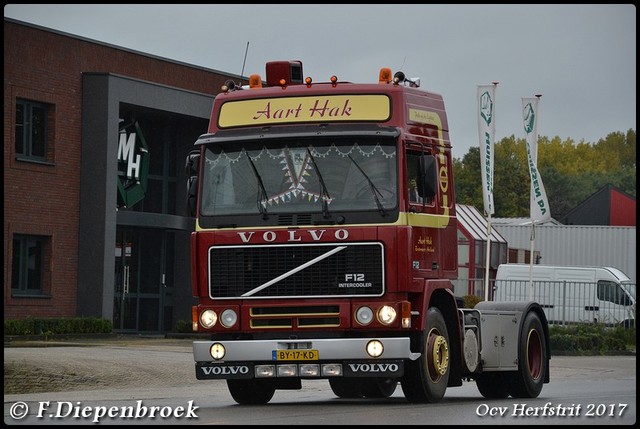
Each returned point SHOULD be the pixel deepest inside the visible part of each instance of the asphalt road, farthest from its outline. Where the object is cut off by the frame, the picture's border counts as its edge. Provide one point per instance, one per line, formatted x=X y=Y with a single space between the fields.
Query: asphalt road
x=59 y=383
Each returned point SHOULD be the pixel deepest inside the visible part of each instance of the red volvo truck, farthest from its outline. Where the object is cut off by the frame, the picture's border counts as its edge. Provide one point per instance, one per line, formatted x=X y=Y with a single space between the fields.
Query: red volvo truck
x=325 y=245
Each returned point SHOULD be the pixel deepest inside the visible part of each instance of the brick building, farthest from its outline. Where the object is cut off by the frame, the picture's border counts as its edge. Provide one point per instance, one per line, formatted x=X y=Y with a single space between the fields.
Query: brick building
x=95 y=138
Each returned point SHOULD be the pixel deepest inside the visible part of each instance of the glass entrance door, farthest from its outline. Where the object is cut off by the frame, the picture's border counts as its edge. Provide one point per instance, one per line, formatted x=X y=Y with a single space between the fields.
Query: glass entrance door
x=143 y=280
x=124 y=308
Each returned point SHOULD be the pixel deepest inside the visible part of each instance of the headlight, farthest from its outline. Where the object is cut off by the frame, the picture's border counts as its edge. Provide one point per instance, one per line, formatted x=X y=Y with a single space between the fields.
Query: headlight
x=228 y=318
x=386 y=315
x=364 y=315
x=208 y=318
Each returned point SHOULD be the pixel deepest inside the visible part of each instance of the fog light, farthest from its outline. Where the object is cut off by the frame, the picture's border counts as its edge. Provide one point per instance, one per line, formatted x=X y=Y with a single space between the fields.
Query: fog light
x=228 y=318
x=375 y=348
x=364 y=315
x=208 y=318
x=331 y=369
x=265 y=371
x=386 y=314
x=287 y=370
x=309 y=370
x=217 y=351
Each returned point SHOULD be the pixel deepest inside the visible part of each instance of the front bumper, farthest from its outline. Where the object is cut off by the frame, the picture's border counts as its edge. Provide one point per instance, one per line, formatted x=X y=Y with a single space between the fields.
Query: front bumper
x=247 y=359
x=328 y=349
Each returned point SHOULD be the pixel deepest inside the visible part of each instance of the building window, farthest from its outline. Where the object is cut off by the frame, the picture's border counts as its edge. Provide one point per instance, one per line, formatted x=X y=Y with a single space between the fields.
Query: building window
x=27 y=271
x=31 y=130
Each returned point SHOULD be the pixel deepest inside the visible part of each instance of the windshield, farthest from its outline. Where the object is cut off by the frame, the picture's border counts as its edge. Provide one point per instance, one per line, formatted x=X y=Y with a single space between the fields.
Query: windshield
x=630 y=288
x=322 y=175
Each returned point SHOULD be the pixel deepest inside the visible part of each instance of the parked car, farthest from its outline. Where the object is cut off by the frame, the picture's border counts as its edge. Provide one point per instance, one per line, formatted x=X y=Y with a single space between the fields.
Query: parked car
x=571 y=294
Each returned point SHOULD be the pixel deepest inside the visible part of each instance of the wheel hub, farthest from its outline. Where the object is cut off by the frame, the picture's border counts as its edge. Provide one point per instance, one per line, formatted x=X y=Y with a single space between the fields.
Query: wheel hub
x=439 y=354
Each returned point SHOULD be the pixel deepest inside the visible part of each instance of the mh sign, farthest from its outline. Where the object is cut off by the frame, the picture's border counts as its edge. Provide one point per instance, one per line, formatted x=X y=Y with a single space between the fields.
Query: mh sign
x=133 y=165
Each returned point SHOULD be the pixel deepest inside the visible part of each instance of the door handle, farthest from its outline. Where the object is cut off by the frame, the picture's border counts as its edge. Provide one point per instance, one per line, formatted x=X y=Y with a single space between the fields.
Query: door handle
x=126 y=279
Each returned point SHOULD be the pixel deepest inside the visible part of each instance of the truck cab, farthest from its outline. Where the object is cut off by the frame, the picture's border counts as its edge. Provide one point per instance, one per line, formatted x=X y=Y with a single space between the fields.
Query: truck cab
x=326 y=241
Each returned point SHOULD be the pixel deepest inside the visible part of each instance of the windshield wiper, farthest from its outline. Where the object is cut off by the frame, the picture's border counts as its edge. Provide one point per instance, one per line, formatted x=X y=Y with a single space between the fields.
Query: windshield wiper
x=373 y=188
x=325 y=192
x=263 y=197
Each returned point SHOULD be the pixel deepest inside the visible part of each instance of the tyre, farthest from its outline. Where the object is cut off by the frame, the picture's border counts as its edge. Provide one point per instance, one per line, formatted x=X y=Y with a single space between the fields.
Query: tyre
x=378 y=387
x=493 y=385
x=425 y=379
x=346 y=387
x=251 y=392
x=532 y=360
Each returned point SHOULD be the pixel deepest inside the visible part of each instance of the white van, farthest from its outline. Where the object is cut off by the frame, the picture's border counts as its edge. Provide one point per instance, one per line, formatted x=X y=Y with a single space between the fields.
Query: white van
x=571 y=294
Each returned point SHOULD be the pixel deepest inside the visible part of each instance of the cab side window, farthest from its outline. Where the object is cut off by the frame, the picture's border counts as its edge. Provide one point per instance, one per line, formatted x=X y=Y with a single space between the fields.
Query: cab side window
x=413 y=167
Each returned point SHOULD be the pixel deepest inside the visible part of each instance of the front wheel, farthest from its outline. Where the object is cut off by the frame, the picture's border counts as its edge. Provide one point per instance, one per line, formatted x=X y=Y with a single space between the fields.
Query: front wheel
x=425 y=379
x=379 y=388
x=346 y=387
x=251 y=392
x=532 y=360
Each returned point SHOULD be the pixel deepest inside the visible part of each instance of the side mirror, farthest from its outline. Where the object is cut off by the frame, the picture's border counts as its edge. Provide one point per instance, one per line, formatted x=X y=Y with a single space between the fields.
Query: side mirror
x=427 y=176
x=192 y=163
x=192 y=169
x=192 y=195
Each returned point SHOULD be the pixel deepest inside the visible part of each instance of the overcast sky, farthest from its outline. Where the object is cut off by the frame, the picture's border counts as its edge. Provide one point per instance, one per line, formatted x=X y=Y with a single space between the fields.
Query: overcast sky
x=581 y=58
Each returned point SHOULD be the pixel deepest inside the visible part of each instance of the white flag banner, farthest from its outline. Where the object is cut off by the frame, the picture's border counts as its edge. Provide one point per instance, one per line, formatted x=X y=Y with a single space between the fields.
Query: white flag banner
x=486 y=133
x=539 y=206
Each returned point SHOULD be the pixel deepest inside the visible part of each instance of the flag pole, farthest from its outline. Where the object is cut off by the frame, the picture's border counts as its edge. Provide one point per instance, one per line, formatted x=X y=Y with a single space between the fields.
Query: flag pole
x=486 y=133
x=539 y=205
x=488 y=259
x=533 y=239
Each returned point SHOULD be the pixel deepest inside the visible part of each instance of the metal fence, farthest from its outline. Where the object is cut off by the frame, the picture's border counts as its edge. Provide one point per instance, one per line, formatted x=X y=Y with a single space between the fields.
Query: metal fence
x=568 y=302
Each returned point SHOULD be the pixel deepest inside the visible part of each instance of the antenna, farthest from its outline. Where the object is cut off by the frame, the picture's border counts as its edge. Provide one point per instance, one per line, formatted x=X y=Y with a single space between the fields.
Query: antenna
x=245 y=59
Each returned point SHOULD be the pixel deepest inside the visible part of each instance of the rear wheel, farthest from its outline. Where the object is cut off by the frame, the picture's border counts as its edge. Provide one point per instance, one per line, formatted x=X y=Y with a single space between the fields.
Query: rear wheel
x=425 y=379
x=493 y=385
x=532 y=360
x=251 y=392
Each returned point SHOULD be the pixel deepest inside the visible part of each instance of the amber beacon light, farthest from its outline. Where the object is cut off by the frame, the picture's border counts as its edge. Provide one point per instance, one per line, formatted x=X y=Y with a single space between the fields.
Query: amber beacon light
x=385 y=75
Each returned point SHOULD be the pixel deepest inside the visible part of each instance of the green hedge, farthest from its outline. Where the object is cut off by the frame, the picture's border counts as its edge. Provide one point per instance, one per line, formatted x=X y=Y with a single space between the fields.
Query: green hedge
x=591 y=338
x=58 y=325
x=470 y=301
x=184 y=326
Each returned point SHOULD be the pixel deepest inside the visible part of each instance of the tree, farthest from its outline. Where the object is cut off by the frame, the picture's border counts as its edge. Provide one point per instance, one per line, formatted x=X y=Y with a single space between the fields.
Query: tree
x=570 y=172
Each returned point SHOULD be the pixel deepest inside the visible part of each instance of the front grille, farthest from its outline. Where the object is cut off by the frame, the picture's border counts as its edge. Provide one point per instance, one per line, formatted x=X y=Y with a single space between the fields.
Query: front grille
x=311 y=316
x=311 y=270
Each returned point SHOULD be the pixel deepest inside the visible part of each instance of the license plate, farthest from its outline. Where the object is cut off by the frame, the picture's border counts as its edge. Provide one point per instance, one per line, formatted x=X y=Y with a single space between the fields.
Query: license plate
x=295 y=355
